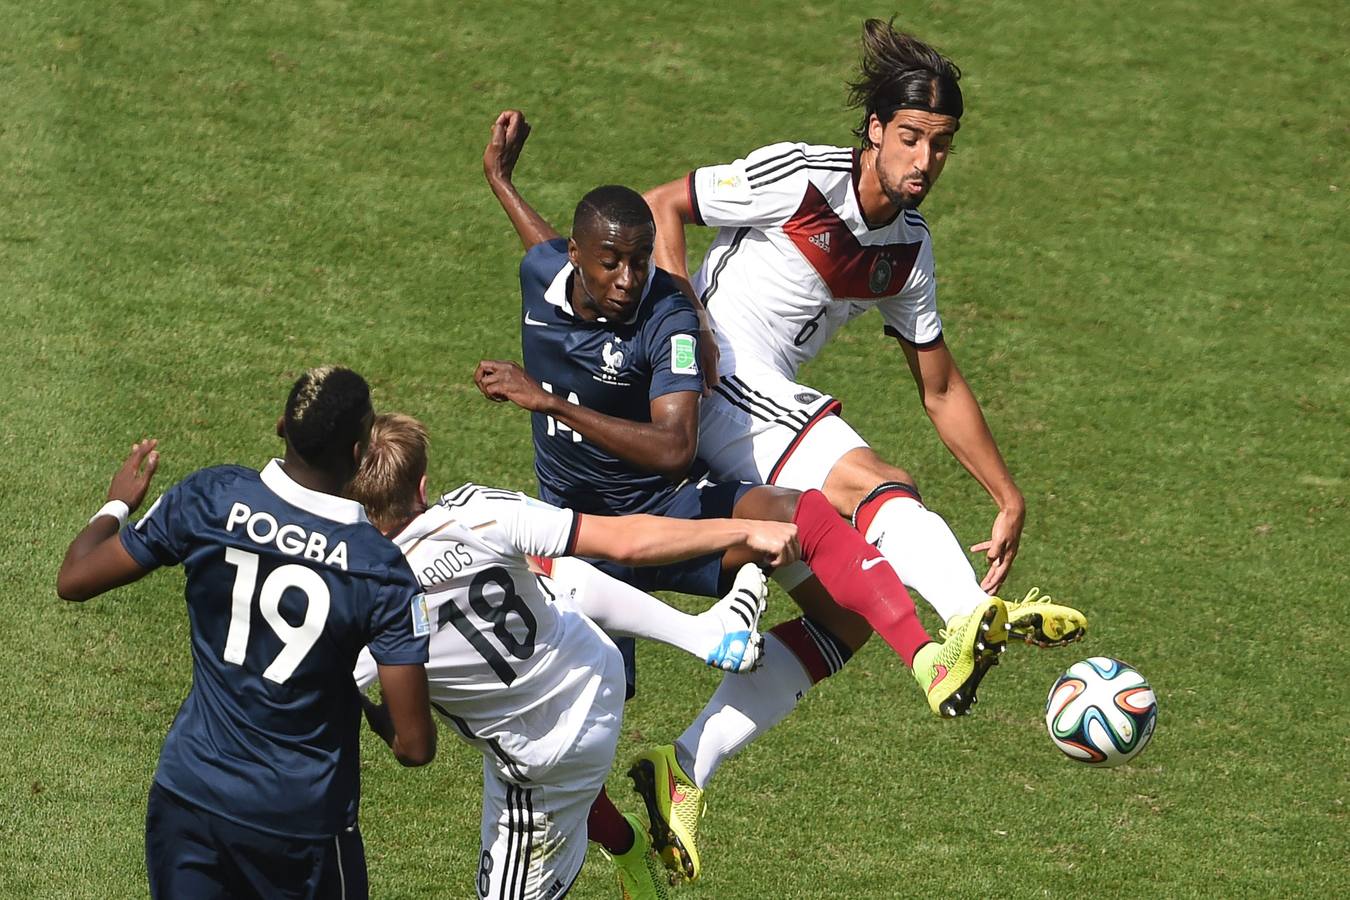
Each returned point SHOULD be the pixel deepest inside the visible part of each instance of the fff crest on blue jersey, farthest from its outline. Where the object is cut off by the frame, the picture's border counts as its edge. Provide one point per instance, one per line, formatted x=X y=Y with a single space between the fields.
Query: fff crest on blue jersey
x=612 y=355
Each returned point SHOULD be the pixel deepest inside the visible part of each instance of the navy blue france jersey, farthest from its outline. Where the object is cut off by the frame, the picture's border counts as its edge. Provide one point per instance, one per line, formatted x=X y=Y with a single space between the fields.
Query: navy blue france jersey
x=285 y=585
x=614 y=368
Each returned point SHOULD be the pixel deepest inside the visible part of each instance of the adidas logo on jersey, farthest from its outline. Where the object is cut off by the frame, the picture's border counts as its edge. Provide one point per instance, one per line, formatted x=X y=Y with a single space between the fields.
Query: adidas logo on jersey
x=821 y=240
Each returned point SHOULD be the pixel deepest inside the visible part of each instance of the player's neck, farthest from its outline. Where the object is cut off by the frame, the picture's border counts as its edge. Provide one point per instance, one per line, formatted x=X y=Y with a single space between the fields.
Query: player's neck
x=390 y=529
x=877 y=207
x=307 y=476
x=582 y=304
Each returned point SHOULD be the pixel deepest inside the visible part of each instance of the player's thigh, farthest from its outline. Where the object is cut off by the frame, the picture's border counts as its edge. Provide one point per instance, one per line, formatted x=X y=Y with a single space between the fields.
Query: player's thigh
x=534 y=835
x=191 y=852
x=762 y=427
x=182 y=858
x=332 y=868
x=857 y=474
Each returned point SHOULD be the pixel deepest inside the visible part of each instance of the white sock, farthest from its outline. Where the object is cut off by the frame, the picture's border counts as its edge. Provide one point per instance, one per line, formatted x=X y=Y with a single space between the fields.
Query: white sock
x=926 y=555
x=741 y=709
x=623 y=610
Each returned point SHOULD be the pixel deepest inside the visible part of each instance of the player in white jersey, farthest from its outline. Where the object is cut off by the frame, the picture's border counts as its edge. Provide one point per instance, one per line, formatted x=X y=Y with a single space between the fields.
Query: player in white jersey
x=809 y=237
x=519 y=670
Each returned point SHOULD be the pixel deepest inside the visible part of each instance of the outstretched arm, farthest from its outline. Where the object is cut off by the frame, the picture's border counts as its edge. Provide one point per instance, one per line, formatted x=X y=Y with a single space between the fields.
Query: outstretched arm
x=96 y=561
x=509 y=132
x=665 y=445
x=956 y=414
x=642 y=540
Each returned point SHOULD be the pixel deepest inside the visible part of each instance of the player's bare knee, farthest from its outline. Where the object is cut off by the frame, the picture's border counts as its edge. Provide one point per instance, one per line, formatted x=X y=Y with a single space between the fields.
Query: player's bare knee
x=857 y=474
x=768 y=503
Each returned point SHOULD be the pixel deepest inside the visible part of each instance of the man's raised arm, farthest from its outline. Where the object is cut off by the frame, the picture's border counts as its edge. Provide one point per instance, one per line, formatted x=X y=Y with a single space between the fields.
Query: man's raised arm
x=96 y=561
x=509 y=132
x=671 y=211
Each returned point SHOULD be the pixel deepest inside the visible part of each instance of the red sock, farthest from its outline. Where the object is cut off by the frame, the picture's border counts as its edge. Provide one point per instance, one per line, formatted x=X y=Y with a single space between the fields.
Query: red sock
x=857 y=576
x=607 y=827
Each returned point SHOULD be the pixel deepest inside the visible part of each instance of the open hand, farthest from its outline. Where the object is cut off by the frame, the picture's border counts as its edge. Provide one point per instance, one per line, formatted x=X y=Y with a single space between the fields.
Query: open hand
x=133 y=478
x=1001 y=548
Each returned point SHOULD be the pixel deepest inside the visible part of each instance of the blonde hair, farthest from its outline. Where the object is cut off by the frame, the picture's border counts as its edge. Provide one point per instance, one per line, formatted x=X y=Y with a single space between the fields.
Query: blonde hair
x=391 y=472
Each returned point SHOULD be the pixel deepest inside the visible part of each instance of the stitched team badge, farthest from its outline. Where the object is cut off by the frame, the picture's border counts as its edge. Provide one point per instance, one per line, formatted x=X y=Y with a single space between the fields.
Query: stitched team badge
x=612 y=354
x=880 y=276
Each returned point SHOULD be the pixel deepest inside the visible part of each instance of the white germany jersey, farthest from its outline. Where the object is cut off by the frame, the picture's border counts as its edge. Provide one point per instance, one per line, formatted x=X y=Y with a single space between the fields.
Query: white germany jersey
x=794 y=259
x=513 y=671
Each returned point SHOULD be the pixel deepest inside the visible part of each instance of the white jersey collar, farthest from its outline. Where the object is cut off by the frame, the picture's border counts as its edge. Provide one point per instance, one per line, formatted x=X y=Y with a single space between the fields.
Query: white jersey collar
x=556 y=293
x=338 y=509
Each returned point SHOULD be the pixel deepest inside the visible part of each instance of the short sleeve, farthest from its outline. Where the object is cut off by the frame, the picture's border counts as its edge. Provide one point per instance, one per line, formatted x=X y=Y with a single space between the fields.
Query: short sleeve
x=534 y=528
x=912 y=315
x=761 y=190
x=672 y=349
x=539 y=265
x=399 y=627
x=159 y=537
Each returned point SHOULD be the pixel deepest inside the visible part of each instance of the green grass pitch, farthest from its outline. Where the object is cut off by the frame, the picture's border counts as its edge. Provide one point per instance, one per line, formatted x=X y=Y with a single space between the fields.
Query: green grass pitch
x=1142 y=244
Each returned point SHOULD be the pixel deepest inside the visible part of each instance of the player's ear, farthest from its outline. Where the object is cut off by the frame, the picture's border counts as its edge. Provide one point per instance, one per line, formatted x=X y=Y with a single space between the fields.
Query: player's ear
x=422 y=490
x=281 y=427
x=573 y=253
x=875 y=130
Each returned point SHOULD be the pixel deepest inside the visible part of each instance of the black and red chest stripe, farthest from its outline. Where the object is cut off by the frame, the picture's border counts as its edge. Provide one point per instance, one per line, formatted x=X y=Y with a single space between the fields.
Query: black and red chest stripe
x=849 y=269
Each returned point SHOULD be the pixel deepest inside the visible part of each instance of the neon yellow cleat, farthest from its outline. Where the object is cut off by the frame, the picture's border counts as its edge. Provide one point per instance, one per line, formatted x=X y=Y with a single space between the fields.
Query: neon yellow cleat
x=949 y=672
x=1039 y=620
x=641 y=874
x=674 y=807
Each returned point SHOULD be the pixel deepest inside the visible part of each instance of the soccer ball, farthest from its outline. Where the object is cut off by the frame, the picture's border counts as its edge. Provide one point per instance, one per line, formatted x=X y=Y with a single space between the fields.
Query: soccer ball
x=1101 y=712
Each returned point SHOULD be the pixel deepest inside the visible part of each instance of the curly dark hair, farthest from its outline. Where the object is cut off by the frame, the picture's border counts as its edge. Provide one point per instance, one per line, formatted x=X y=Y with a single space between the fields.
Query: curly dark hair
x=899 y=71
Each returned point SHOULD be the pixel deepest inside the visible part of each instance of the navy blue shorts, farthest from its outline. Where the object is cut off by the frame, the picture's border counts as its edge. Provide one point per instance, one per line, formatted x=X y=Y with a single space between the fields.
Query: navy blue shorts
x=190 y=852
x=701 y=576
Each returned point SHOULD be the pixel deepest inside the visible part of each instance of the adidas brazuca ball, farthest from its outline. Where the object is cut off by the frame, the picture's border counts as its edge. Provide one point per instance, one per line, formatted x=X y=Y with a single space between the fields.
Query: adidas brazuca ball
x=1101 y=712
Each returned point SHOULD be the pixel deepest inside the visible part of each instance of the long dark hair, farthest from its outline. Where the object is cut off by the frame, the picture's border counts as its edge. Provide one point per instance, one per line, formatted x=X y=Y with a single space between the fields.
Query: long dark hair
x=899 y=71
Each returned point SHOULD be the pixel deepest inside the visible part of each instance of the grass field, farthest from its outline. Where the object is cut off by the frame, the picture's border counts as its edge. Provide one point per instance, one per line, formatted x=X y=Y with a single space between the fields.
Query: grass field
x=1142 y=241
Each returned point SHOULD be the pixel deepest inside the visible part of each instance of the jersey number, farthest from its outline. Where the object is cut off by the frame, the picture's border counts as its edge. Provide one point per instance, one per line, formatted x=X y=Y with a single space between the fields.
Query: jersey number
x=298 y=640
x=554 y=426
x=494 y=614
x=808 y=329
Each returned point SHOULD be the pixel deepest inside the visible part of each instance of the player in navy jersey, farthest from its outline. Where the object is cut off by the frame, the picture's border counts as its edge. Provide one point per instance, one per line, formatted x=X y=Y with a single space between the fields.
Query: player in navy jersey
x=613 y=381
x=258 y=782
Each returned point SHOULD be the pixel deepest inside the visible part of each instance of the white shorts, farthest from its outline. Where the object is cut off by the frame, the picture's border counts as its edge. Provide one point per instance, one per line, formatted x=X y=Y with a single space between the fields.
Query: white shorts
x=759 y=426
x=534 y=833
x=533 y=830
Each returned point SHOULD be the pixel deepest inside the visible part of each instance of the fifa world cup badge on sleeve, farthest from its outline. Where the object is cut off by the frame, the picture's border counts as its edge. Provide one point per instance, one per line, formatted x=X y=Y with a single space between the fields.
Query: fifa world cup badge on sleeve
x=730 y=184
x=421 y=621
x=683 y=359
